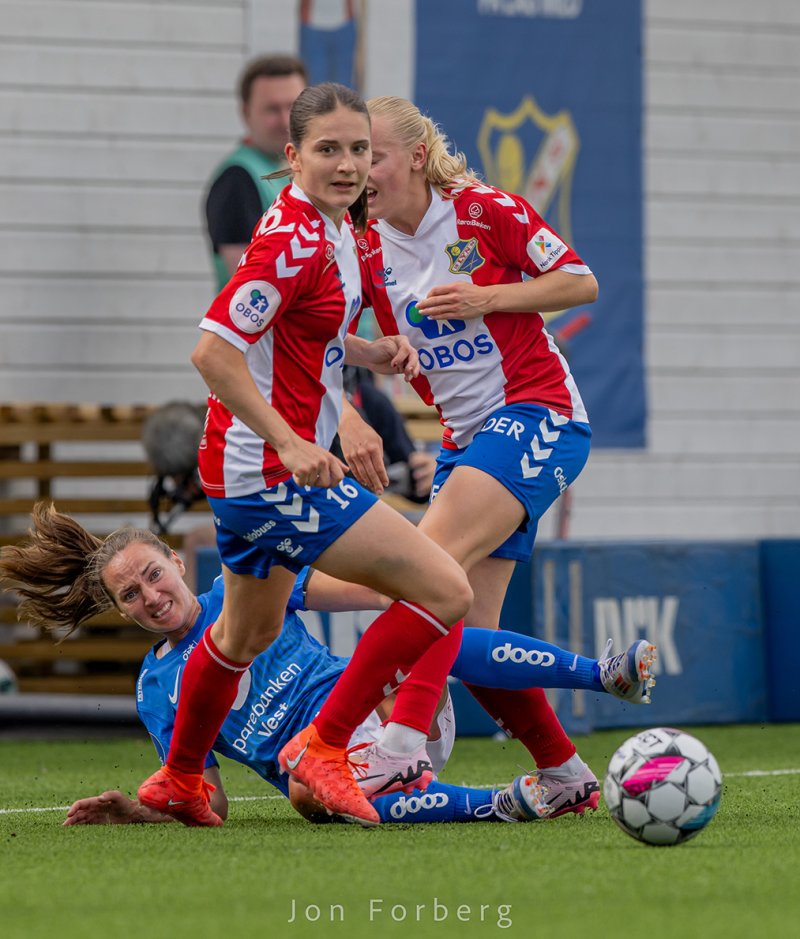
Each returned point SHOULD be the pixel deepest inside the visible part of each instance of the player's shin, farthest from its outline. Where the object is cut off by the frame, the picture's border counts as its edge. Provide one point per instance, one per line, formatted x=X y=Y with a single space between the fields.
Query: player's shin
x=439 y=803
x=383 y=659
x=526 y=714
x=208 y=689
x=503 y=659
x=418 y=696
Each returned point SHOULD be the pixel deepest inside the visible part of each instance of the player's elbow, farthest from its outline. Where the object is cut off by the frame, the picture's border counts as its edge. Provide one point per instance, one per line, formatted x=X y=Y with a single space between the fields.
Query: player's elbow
x=201 y=358
x=590 y=288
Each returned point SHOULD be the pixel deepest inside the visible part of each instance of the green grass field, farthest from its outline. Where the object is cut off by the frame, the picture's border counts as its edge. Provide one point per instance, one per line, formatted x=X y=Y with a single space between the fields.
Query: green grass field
x=567 y=878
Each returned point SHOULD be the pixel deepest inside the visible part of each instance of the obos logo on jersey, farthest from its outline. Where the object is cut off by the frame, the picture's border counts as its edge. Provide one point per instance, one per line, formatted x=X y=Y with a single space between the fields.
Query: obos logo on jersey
x=545 y=248
x=464 y=256
x=432 y=329
x=253 y=306
x=445 y=356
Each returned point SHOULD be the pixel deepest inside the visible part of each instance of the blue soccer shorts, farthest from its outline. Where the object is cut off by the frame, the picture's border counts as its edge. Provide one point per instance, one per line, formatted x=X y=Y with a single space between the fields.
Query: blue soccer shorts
x=287 y=524
x=534 y=452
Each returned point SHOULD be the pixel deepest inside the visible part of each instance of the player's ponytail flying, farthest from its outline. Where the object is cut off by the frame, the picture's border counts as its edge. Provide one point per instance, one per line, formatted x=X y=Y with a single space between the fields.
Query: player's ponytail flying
x=57 y=572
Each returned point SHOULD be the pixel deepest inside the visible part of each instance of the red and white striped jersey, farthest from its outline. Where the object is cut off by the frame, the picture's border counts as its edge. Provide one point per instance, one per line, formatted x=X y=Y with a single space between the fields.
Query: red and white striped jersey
x=287 y=308
x=472 y=367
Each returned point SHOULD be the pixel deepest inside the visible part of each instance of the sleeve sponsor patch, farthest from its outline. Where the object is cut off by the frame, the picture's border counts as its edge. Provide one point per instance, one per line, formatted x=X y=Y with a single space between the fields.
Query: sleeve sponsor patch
x=545 y=248
x=253 y=306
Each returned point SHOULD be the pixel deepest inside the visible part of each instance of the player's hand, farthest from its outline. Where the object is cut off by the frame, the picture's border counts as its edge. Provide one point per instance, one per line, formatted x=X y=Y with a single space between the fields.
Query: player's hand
x=363 y=451
x=458 y=301
x=423 y=468
x=392 y=355
x=110 y=808
x=310 y=465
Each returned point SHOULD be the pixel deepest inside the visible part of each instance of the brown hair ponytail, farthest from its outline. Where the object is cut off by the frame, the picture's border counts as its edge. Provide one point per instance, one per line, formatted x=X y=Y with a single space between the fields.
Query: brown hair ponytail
x=58 y=571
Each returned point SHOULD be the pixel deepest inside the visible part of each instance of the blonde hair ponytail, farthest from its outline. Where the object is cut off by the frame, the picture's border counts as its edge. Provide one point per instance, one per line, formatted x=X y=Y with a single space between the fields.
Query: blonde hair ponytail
x=443 y=169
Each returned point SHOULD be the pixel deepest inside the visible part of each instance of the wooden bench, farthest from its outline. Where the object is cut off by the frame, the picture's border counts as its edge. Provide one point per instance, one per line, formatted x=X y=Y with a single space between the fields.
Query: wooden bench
x=104 y=658
x=30 y=433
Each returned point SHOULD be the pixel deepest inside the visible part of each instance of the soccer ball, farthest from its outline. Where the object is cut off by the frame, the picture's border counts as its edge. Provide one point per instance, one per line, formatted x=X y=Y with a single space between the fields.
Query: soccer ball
x=662 y=786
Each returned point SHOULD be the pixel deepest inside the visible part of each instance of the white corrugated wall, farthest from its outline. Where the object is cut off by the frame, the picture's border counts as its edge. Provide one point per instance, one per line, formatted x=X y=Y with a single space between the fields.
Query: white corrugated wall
x=722 y=233
x=112 y=114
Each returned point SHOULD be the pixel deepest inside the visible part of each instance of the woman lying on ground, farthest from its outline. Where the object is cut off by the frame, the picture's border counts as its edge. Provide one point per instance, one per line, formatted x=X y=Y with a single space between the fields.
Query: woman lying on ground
x=64 y=575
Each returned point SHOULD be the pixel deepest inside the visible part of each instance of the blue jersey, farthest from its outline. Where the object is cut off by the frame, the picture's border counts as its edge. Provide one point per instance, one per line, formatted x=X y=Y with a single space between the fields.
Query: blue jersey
x=278 y=695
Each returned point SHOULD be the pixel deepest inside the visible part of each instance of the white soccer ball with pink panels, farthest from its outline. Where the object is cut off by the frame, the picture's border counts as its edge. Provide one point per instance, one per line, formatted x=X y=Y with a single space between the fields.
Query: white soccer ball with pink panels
x=663 y=786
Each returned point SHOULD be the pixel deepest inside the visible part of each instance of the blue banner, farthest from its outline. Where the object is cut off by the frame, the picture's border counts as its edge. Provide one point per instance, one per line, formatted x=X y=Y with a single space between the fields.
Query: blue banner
x=700 y=603
x=780 y=565
x=545 y=99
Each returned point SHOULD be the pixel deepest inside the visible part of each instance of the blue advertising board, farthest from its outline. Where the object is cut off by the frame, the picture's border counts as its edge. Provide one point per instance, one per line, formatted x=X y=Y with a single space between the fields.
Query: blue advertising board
x=780 y=571
x=700 y=604
x=545 y=99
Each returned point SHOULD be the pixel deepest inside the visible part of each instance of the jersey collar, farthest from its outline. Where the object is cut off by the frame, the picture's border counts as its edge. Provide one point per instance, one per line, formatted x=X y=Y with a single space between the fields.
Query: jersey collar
x=332 y=233
x=437 y=210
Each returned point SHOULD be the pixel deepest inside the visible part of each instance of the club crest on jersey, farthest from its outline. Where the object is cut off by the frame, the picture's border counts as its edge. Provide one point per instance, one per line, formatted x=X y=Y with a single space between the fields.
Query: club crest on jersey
x=432 y=329
x=253 y=306
x=464 y=256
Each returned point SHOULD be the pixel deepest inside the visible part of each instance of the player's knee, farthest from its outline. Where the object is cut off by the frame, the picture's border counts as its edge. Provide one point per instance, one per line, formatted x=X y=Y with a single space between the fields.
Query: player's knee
x=461 y=597
x=453 y=594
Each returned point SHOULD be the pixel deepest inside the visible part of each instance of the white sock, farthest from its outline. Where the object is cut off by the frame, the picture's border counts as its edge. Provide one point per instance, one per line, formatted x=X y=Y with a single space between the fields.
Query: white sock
x=573 y=767
x=397 y=738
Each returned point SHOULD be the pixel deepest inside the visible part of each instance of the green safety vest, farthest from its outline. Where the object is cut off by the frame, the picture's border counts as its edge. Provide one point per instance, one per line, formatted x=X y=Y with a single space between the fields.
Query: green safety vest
x=257 y=164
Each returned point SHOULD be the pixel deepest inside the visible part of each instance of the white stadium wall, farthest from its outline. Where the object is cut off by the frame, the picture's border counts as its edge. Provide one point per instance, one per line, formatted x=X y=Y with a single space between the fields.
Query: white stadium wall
x=113 y=113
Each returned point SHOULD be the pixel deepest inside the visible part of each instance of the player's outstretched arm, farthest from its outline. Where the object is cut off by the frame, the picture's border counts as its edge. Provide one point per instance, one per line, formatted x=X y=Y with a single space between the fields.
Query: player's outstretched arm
x=115 y=808
x=225 y=371
x=111 y=808
x=555 y=290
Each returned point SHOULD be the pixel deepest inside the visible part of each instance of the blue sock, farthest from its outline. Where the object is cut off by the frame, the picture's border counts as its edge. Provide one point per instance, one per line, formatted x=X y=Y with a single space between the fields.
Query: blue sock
x=439 y=803
x=497 y=658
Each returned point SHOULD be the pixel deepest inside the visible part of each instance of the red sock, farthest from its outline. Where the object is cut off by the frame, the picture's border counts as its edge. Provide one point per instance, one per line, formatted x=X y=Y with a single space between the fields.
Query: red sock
x=419 y=694
x=526 y=714
x=208 y=689
x=383 y=657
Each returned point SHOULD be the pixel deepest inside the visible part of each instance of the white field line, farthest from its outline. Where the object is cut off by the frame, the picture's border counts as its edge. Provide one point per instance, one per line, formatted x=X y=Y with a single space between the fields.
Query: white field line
x=766 y=772
x=63 y=808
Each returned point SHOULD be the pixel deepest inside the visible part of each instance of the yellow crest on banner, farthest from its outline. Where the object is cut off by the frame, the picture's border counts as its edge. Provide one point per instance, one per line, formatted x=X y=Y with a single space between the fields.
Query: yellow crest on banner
x=532 y=154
